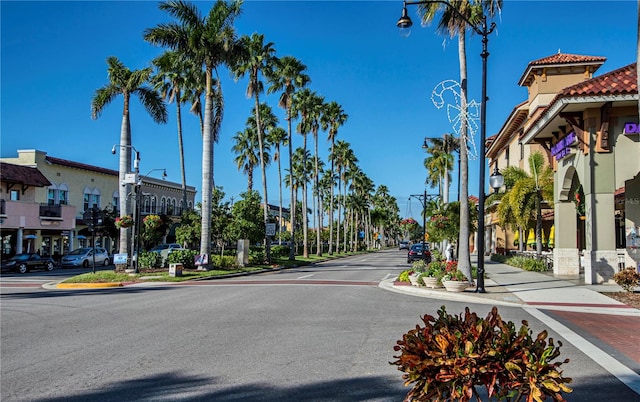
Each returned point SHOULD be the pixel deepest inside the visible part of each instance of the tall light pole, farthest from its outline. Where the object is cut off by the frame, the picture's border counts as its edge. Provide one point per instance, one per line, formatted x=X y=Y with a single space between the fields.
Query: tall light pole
x=137 y=221
x=130 y=178
x=405 y=23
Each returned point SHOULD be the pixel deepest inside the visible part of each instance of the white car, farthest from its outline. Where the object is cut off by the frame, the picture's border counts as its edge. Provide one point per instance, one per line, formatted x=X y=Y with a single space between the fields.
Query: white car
x=83 y=257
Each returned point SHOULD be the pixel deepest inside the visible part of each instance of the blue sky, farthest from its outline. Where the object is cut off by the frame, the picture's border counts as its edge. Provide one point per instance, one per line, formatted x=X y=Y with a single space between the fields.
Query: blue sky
x=53 y=58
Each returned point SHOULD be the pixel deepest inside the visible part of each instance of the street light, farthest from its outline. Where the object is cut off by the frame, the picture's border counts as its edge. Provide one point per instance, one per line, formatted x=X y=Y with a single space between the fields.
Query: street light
x=423 y=201
x=496 y=180
x=130 y=178
x=137 y=222
x=405 y=23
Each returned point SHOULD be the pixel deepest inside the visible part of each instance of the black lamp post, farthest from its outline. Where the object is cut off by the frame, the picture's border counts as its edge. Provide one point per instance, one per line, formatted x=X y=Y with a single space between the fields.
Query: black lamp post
x=405 y=23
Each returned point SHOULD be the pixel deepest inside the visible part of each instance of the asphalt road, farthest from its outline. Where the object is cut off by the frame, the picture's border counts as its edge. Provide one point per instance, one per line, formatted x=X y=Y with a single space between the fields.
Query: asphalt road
x=321 y=333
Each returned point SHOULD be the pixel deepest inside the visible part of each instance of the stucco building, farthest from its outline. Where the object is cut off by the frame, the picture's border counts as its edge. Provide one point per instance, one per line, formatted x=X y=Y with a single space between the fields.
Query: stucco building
x=44 y=199
x=587 y=126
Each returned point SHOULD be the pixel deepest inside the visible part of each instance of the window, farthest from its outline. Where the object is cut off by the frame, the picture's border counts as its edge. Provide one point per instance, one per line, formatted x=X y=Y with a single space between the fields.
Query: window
x=153 y=204
x=51 y=196
x=63 y=194
x=163 y=206
x=147 y=205
x=14 y=195
x=506 y=155
x=85 y=201
x=521 y=151
x=95 y=198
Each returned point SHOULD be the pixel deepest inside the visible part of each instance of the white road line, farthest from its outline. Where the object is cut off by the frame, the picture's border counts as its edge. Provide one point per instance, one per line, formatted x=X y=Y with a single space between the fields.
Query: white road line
x=387 y=276
x=627 y=376
x=306 y=276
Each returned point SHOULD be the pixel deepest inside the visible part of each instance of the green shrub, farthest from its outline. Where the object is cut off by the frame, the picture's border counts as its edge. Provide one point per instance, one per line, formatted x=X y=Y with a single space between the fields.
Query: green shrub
x=184 y=257
x=280 y=251
x=257 y=256
x=531 y=264
x=419 y=266
x=223 y=262
x=150 y=260
x=498 y=258
x=517 y=261
x=627 y=279
x=436 y=255
x=447 y=358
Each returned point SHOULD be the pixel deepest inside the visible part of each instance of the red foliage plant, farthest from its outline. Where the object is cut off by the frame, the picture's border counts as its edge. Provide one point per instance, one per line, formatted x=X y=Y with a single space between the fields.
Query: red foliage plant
x=447 y=358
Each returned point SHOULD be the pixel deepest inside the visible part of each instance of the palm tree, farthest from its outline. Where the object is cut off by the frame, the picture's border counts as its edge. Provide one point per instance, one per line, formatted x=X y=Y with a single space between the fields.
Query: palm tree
x=332 y=119
x=288 y=76
x=246 y=144
x=256 y=58
x=125 y=82
x=210 y=42
x=278 y=136
x=453 y=25
x=526 y=193
x=441 y=150
x=344 y=158
x=304 y=104
x=171 y=80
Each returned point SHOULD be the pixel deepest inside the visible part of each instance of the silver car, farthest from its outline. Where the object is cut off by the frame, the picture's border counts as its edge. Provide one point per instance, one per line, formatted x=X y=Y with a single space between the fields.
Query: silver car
x=83 y=257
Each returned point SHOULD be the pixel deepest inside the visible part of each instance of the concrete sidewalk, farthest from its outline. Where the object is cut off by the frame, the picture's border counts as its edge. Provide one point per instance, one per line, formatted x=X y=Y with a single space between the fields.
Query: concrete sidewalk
x=603 y=328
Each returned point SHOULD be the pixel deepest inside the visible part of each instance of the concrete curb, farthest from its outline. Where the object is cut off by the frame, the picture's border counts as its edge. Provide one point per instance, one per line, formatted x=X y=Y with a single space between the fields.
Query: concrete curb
x=88 y=285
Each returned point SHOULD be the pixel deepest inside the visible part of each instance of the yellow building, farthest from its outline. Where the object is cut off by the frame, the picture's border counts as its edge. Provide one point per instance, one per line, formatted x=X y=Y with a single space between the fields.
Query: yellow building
x=48 y=215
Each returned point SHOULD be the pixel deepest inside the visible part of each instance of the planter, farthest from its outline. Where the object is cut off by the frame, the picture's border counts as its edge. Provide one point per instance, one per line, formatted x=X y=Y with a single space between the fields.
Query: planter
x=413 y=278
x=431 y=282
x=455 y=286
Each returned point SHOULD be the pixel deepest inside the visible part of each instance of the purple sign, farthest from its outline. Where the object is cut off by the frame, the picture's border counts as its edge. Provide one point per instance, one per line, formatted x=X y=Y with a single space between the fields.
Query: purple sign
x=631 y=128
x=562 y=148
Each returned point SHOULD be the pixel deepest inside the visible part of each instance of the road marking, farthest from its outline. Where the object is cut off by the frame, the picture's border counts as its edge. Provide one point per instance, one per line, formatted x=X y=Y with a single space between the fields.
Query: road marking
x=306 y=276
x=627 y=376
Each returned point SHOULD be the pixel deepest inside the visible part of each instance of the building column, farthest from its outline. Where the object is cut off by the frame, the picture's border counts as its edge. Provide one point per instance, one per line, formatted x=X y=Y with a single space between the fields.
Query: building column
x=600 y=257
x=566 y=256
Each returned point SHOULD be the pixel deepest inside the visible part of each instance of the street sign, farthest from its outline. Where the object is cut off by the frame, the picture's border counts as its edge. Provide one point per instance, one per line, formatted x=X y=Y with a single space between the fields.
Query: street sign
x=271 y=229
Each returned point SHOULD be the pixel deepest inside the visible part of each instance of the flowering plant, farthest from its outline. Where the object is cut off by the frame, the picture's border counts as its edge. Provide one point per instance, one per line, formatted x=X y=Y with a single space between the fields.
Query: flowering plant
x=124 y=221
x=152 y=222
x=452 y=273
x=439 y=221
x=578 y=199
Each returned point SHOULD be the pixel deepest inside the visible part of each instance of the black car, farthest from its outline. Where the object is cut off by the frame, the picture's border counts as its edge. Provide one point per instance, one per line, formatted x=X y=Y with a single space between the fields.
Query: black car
x=415 y=253
x=24 y=263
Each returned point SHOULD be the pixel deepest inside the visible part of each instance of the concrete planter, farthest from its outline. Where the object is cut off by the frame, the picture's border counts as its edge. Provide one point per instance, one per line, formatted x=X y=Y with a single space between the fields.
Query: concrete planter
x=455 y=286
x=431 y=282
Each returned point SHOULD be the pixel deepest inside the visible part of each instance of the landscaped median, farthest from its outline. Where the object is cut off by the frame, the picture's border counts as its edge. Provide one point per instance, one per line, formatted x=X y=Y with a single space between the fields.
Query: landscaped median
x=110 y=278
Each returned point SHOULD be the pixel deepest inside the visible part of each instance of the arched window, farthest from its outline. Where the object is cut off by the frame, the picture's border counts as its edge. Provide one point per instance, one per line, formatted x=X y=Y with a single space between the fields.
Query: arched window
x=115 y=200
x=153 y=204
x=163 y=205
x=180 y=208
x=147 y=205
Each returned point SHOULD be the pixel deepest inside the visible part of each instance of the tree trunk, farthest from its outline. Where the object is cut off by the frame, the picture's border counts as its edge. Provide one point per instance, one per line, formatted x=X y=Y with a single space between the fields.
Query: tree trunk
x=464 y=256
x=124 y=168
x=207 y=171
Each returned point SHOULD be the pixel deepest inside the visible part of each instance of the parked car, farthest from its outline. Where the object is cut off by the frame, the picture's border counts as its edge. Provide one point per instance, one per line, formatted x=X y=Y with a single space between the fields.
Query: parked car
x=26 y=262
x=84 y=257
x=416 y=253
x=165 y=246
x=404 y=245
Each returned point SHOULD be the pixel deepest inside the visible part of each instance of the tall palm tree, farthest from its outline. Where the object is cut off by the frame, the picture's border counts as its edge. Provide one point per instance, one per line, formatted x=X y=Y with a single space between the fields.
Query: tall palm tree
x=317 y=111
x=305 y=103
x=288 y=76
x=278 y=136
x=125 y=82
x=452 y=25
x=171 y=79
x=211 y=42
x=256 y=58
x=245 y=146
x=344 y=158
x=442 y=149
x=438 y=165
x=332 y=119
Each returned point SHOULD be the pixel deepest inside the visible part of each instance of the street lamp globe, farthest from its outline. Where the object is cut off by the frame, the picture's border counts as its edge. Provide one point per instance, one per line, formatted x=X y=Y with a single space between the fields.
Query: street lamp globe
x=496 y=180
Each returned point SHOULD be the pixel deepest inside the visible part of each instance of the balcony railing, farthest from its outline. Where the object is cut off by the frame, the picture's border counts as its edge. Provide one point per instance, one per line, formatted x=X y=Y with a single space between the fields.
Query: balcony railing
x=50 y=211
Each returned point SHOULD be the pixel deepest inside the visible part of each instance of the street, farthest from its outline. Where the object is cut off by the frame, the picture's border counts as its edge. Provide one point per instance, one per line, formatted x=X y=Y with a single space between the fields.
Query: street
x=317 y=333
